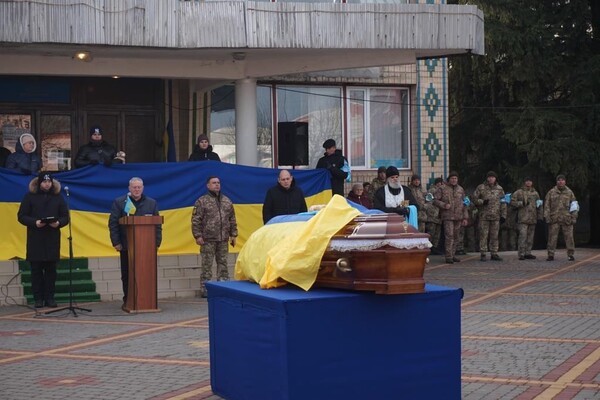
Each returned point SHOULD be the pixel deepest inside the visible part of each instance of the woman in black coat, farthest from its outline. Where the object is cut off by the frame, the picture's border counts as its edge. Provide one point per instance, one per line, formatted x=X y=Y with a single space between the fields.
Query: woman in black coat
x=43 y=211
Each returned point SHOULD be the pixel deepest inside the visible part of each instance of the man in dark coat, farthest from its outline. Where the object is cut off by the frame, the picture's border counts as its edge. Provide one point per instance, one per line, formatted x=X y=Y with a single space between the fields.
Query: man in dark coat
x=25 y=159
x=43 y=211
x=393 y=197
x=283 y=198
x=203 y=151
x=97 y=151
x=144 y=205
x=333 y=161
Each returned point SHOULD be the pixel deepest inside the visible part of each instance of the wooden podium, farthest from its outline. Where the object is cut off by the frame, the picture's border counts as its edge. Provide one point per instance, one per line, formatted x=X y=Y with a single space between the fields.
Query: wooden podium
x=141 y=248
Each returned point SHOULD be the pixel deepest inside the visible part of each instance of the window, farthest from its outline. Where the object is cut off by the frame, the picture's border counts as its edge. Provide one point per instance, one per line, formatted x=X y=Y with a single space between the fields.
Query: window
x=55 y=132
x=378 y=127
x=320 y=107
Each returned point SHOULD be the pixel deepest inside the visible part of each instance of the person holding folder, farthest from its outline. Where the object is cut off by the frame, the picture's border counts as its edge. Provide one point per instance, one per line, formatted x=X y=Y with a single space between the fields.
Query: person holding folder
x=43 y=211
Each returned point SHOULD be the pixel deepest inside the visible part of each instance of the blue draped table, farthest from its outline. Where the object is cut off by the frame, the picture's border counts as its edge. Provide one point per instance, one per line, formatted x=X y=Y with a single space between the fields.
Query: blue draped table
x=286 y=343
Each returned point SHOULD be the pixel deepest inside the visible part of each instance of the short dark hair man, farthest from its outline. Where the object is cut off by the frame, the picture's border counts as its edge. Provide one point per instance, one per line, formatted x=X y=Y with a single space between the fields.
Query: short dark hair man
x=283 y=198
x=213 y=226
x=333 y=161
x=144 y=205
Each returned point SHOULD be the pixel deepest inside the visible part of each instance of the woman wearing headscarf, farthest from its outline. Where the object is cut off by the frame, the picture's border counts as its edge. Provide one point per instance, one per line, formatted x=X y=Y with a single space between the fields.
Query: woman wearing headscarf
x=25 y=159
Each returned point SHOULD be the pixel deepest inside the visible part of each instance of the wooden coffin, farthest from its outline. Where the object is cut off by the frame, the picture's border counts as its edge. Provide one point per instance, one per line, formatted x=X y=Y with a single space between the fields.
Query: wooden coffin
x=380 y=253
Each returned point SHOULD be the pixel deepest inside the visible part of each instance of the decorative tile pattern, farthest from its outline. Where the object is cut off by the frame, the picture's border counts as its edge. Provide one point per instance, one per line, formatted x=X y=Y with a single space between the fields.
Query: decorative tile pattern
x=431 y=63
x=431 y=102
x=432 y=147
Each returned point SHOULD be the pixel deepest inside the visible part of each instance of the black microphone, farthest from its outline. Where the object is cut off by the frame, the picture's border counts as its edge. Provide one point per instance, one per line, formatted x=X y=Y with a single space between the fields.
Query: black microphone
x=67 y=190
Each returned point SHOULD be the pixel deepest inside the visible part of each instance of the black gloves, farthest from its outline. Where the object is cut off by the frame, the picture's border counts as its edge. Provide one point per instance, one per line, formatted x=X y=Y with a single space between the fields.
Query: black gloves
x=93 y=162
x=502 y=220
x=26 y=171
x=107 y=162
x=404 y=211
x=486 y=202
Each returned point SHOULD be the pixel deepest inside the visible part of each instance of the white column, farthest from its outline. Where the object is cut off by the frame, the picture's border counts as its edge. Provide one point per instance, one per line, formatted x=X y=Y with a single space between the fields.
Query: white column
x=246 y=131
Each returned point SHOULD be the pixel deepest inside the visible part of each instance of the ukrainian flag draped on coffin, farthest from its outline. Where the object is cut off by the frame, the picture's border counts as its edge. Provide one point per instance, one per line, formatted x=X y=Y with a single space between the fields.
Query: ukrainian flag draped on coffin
x=175 y=186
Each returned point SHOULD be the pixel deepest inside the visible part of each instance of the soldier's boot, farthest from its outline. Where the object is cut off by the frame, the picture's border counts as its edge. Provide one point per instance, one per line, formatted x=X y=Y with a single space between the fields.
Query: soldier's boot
x=495 y=257
x=483 y=257
x=550 y=258
x=529 y=257
x=571 y=258
x=449 y=261
x=521 y=257
x=455 y=259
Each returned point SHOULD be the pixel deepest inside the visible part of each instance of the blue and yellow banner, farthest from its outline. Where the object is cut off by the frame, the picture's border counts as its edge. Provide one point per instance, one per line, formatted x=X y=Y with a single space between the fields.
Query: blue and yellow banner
x=175 y=186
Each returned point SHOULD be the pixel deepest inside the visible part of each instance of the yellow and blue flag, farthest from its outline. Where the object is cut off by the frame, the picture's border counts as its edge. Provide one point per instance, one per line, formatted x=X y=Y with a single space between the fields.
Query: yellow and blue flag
x=129 y=208
x=175 y=186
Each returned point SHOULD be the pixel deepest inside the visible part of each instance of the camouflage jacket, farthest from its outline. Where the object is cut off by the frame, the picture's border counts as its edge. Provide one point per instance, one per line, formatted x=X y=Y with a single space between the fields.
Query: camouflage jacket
x=557 y=205
x=213 y=218
x=494 y=209
x=524 y=200
x=455 y=196
x=432 y=211
x=420 y=198
x=375 y=184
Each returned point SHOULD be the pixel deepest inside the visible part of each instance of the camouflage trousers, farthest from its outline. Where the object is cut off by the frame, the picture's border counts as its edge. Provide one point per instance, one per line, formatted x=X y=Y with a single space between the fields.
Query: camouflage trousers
x=466 y=239
x=213 y=251
x=567 y=230
x=451 y=232
x=435 y=231
x=488 y=231
x=421 y=226
x=526 y=234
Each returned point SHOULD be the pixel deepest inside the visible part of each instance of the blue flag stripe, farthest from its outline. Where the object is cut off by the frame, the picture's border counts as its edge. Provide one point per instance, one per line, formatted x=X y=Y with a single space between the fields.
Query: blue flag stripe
x=173 y=185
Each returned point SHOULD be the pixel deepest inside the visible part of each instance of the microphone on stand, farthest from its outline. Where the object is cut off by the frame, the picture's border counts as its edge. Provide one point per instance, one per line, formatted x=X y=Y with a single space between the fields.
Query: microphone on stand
x=67 y=190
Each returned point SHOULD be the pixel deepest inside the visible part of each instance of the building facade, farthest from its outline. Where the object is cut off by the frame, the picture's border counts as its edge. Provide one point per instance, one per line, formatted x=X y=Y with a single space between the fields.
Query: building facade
x=370 y=75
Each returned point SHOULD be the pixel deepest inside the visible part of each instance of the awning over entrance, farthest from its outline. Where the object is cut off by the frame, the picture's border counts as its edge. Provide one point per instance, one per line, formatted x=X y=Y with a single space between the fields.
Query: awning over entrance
x=227 y=40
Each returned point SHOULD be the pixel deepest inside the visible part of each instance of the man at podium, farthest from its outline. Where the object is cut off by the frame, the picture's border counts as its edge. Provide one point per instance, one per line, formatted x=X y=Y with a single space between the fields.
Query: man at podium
x=133 y=203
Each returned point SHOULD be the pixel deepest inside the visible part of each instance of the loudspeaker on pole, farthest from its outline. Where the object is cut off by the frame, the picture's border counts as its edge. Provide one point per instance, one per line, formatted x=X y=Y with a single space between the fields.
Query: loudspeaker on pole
x=292 y=143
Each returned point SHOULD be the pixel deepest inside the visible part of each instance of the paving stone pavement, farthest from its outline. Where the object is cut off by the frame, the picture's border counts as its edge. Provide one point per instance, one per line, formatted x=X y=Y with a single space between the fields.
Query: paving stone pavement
x=530 y=330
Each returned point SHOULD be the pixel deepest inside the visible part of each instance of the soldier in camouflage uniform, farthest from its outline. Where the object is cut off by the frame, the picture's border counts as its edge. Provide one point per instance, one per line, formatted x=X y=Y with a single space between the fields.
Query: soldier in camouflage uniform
x=417 y=192
x=213 y=226
x=558 y=215
x=529 y=208
x=433 y=226
x=376 y=183
x=492 y=212
x=449 y=198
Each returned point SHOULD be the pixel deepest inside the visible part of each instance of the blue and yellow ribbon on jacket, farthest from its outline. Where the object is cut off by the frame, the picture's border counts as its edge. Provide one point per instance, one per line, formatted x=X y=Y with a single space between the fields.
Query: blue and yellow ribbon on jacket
x=175 y=186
